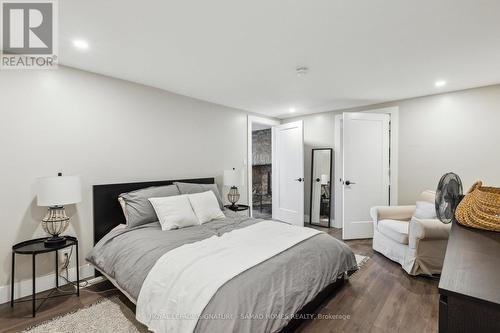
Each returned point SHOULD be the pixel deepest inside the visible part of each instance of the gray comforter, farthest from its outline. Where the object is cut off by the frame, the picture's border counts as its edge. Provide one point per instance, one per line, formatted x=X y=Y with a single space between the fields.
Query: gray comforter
x=261 y=299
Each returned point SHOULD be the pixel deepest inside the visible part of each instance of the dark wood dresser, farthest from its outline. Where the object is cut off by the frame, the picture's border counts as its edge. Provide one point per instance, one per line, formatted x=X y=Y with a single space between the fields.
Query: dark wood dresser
x=469 y=286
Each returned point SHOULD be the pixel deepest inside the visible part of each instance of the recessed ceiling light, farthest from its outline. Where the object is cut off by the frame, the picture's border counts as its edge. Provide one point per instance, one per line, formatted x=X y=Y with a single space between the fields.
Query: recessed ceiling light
x=81 y=44
x=292 y=110
x=440 y=83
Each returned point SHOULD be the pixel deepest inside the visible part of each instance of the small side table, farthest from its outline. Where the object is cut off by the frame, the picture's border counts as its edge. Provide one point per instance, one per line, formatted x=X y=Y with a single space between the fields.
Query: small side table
x=238 y=208
x=34 y=247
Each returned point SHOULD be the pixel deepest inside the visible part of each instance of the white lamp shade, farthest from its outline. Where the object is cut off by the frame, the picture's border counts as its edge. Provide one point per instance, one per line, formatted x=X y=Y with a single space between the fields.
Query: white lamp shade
x=325 y=179
x=233 y=178
x=58 y=191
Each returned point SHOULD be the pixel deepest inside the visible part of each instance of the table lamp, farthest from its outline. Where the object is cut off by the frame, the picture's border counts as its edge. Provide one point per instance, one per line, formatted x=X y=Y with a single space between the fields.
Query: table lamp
x=233 y=178
x=55 y=192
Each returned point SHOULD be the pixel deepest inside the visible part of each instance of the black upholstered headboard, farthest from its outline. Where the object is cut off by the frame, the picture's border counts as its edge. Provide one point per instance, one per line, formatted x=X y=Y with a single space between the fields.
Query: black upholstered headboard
x=107 y=211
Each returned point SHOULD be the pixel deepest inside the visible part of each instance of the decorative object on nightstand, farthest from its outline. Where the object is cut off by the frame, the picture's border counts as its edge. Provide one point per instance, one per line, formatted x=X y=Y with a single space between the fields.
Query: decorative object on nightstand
x=233 y=178
x=38 y=246
x=55 y=192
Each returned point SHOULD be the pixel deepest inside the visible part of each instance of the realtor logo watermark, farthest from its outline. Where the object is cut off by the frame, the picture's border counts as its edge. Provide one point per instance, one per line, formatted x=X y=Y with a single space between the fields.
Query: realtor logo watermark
x=29 y=34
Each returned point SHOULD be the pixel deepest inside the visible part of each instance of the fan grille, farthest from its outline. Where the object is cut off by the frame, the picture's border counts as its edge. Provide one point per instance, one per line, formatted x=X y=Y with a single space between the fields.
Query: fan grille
x=448 y=195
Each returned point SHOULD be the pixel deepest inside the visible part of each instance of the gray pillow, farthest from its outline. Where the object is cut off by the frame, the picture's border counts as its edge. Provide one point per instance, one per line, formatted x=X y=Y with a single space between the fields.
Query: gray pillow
x=138 y=210
x=190 y=188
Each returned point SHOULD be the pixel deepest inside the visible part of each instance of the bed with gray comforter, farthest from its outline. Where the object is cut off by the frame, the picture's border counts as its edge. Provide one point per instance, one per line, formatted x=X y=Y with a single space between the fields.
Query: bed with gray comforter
x=261 y=299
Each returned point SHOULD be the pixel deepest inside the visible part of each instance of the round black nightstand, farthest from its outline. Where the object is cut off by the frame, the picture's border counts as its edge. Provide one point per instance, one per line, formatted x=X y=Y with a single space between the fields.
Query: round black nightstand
x=37 y=246
x=237 y=208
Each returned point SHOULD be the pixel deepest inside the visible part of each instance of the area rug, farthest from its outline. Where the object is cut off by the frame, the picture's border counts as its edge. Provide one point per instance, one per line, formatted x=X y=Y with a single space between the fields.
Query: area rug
x=109 y=315
x=361 y=260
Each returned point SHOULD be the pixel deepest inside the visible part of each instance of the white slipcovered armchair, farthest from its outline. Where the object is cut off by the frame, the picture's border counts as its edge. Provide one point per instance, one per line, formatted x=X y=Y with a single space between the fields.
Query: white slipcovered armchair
x=418 y=245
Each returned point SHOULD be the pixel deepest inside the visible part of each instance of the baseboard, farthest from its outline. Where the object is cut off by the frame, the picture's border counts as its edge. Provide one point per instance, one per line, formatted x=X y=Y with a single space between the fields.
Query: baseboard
x=23 y=288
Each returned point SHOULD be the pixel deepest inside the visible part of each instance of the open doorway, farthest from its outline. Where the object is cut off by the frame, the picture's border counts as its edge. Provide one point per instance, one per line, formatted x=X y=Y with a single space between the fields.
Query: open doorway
x=262 y=194
x=277 y=189
x=260 y=166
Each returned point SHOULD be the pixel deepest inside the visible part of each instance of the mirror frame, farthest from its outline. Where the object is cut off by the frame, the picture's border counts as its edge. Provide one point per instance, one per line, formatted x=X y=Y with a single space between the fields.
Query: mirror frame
x=329 y=188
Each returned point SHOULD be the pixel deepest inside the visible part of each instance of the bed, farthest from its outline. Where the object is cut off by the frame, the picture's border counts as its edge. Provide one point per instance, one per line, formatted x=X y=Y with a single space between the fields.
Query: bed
x=270 y=296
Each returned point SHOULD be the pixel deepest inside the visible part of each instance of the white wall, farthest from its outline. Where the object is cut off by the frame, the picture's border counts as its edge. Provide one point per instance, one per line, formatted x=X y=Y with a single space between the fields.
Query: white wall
x=457 y=131
x=107 y=131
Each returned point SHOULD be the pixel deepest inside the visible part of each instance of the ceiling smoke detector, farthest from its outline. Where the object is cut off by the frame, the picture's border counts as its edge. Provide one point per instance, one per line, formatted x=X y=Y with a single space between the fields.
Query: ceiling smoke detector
x=301 y=71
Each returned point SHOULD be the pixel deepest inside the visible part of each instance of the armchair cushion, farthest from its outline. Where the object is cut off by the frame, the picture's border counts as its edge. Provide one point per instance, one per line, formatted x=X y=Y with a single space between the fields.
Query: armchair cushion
x=395 y=230
x=427 y=229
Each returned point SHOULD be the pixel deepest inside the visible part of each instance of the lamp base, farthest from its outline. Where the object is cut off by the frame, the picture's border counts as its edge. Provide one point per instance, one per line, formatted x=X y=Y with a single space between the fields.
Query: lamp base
x=55 y=241
x=56 y=221
x=233 y=196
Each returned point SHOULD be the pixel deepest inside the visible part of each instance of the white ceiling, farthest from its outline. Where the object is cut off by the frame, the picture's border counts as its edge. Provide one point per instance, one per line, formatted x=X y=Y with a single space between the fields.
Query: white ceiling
x=243 y=54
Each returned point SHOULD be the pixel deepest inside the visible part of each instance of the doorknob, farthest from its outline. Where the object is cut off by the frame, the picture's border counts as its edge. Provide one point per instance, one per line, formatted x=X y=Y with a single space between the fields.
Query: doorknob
x=299 y=179
x=348 y=182
x=318 y=180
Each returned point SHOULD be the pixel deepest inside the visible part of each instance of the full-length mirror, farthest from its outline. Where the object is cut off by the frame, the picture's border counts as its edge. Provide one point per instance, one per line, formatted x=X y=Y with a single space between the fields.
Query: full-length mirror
x=321 y=198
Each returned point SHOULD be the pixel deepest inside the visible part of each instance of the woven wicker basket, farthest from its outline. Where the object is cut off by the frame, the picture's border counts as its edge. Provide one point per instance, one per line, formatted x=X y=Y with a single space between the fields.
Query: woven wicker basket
x=480 y=208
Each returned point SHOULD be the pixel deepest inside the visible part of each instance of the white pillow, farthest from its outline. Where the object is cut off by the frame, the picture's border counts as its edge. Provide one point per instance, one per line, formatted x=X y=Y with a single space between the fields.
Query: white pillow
x=425 y=210
x=174 y=212
x=205 y=206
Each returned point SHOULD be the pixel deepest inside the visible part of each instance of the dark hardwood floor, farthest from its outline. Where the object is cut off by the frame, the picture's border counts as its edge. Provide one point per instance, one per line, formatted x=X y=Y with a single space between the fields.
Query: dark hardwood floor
x=380 y=297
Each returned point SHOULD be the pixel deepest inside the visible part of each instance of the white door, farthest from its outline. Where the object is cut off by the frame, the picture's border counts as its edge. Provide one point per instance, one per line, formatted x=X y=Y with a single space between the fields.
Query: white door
x=366 y=179
x=288 y=173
